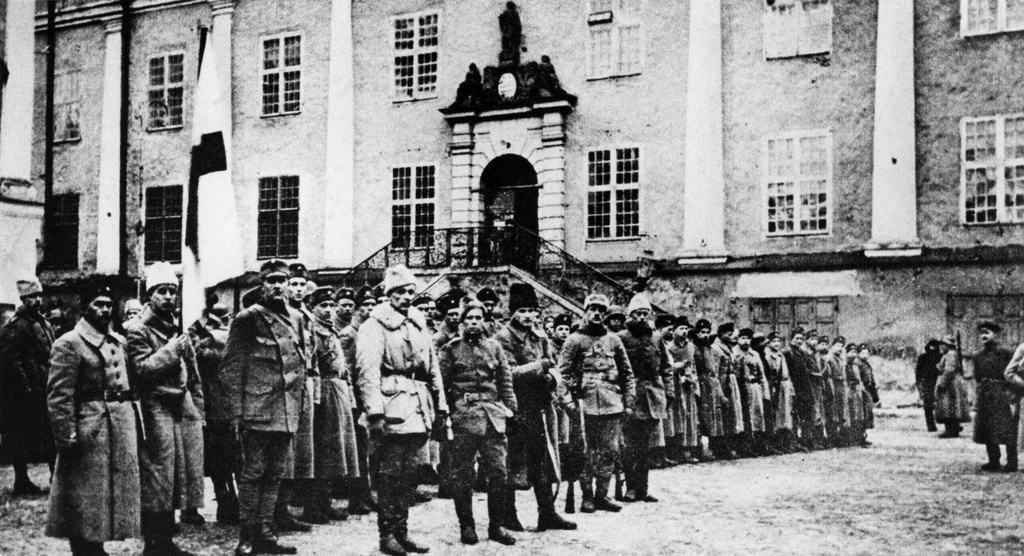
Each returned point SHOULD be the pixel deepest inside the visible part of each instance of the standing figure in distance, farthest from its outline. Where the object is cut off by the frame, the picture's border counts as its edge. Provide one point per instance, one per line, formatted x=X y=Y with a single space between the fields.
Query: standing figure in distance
x=952 y=406
x=926 y=374
x=994 y=422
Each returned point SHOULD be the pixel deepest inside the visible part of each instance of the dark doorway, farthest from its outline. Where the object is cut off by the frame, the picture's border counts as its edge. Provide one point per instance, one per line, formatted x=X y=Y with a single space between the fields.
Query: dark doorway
x=510 y=192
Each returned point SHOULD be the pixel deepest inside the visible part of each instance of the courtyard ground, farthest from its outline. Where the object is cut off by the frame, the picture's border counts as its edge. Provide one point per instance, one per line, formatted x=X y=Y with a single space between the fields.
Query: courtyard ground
x=909 y=493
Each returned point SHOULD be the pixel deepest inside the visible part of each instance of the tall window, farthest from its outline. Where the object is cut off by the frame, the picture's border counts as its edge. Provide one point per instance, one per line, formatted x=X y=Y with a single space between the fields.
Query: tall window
x=412 y=206
x=981 y=17
x=278 y=218
x=613 y=196
x=616 y=46
x=797 y=28
x=282 y=74
x=60 y=232
x=67 y=101
x=416 y=51
x=992 y=169
x=798 y=183
x=166 y=90
x=163 y=224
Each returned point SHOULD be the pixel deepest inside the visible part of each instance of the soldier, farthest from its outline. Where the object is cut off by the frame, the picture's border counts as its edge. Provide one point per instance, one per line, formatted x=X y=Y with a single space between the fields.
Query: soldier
x=684 y=395
x=926 y=373
x=428 y=307
x=334 y=434
x=994 y=422
x=264 y=371
x=650 y=363
x=533 y=458
x=782 y=393
x=952 y=406
x=803 y=371
x=490 y=299
x=448 y=306
x=732 y=415
x=571 y=438
x=95 y=495
x=757 y=392
x=220 y=445
x=361 y=500
x=597 y=371
x=560 y=332
x=615 y=319
x=869 y=397
x=712 y=396
x=56 y=314
x=132 y=309
x=346 y=300
x=162 y=365
x=480 y=390
x=834 y=372
x=398 y=378
x=25 y=343
x=855 y=392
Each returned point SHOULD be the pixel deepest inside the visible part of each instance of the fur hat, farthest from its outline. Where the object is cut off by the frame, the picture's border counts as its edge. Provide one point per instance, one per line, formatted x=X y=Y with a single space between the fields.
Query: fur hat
x=746 y=333
x=797 y=330
x=398 y=276
x=563 y=320
x=345 y=293
x=726 y=328
x=132 y=305
x=664 y=319
x=990 y=326
x=521 y=296
x=702 y=324
x=273 y=266
x=159 y=274
x=487 y=294
x=29 y=287
x=596 y=299
x=638 y=303
x=298 y=270
x=96 y=291
x=320 y=295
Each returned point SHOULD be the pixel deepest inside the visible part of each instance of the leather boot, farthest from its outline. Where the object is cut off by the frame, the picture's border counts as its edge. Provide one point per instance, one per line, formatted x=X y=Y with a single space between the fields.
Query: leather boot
x=587 y=495
x=410 y=545
x=245 y=537
x=265 y=542
x=1011 y=458
x=390 y=545
x=510 y=519
x=601 y=500
x=550 y=520
x=498 y=534
x=467 y=524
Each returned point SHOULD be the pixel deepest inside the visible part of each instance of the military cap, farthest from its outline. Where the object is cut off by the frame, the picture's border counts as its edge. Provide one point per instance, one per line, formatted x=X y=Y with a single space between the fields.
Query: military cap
x=663 y=319
x=345 y=293
x=563 y=320
x=681 y=321
x=726 y=328
x=797 y=330
x=614 y=311
x=772 y=336
x=759 y=340
x=298 y=270
x=273 y=266
x=596 y=299
x=449 y=300
x=365 y=294
x=990 y=326
x=422 y=300
x=745 y=333
x=702 y=324
x=851 y=347
x=839 y=340
x=863 y=347
x=812 y=333
x=823 y=339
x=378 y=292
x=93 y=292
x=486 y=294
x=320 y=295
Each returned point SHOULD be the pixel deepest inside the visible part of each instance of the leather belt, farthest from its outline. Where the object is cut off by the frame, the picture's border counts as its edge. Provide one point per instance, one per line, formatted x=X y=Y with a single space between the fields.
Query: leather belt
x=479 y=397
x=107 y=396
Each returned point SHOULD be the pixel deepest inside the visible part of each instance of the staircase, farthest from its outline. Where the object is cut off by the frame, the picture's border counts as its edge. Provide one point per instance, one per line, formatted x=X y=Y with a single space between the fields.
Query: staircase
x=551 y=270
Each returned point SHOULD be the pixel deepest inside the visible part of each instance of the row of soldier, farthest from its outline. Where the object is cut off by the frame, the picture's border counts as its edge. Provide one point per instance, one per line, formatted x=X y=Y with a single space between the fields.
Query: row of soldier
x=309 y=387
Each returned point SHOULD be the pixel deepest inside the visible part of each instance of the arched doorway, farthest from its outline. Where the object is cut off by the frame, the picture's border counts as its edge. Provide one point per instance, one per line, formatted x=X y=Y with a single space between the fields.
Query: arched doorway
x=510 y=194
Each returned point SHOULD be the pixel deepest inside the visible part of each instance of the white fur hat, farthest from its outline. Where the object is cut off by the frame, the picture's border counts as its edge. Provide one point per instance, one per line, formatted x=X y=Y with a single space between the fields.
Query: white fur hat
x=398 y=276
x=29 y=287
x=161 y=273
x=638 y=302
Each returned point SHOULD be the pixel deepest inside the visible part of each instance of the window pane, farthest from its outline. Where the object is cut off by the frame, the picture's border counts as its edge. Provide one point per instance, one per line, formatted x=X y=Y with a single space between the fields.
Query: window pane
x=271 y=53
x=289 y=193
x=599 y=167
x=156 y=71
x=401 y=223
x=781 y=29
x=600 y=52
x=781 y=157
x=599 y=214
x=404 y=34
x=292 y=51
x=815 y=31
x=61 y=231
x=627 y=213
x=813 y=206
x=780 y=208
x=981 y=195
x=271 y=93
x=292 y=85
x=175 y=104
x=268 y=194
x=163 y=224
x=428 y=31
x=1014 y=138
x=158 y=109
x=630 y=50
x=176 y=68
x=627 y=166
x=424 y=182
x=404 y=76
x=813 y=156
x=424 y=224
x=426 y=72
x=981 y=15
x=1014 y=193
x=980 y=140
x=278 y=221
x=401 y=184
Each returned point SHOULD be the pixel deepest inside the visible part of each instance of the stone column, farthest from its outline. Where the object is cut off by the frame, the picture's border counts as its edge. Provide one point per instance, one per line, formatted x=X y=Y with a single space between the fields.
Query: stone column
x=551 y=176
x=16 y=120
x=108 y=238
x=339 y=216
x=894 y=178
x=704 y=180
x=461 y=149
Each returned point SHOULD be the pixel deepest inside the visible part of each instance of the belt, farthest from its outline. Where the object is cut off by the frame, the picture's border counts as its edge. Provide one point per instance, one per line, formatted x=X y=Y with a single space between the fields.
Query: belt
x=107 y=396
x=479 y=397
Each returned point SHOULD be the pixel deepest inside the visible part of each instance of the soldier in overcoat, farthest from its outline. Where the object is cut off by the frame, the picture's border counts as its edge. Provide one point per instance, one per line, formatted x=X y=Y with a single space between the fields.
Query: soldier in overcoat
x=479 y=389
x=952 y=406
x=757 y=391
x=869 y=392
x=533 y=456
x=25 y=343
x=926 y=373
x=448 y=305
x=732 y=414
x=596 y=370
x=334 y=432
x=361 y=500
x=163 y=368
x=1014 y=374
x=651 y=366
x=783 y=393
x=398 y=380
x=712 y=397
x=838 y=408
x=94 y=418
x=855 y=391
x=994 y=421
x=684 y=412
x=264 y=372
x=807 y=383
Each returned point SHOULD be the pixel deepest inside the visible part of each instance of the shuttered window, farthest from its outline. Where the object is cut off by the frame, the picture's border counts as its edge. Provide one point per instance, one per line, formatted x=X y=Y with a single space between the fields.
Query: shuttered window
x=784 y=314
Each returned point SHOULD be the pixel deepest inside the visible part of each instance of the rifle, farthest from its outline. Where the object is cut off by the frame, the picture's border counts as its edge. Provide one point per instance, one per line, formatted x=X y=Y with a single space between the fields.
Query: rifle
x=959 y=355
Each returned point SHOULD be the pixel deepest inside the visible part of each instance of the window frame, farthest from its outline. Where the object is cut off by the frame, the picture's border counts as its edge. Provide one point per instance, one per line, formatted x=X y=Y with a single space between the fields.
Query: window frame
x=792 y=318
x=52 y=262
x=1000 y=162
x=60 y=104
x=278 y=252
x=613 y=187
x=1001 y=21
x=767 y=17
x=617 y=19
x=280 y=70
x=412 y=202
x=163 y=217
x=397 y=98
x=768 y=178
x=165 y=88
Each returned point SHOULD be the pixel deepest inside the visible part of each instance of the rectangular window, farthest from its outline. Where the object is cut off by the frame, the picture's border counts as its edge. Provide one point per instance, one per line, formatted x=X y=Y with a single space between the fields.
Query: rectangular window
x=166 y=91
x=784 y=314
x=798 y=184
x=992 y=169
x=983 y=17
x=282 y=74
x=67 y=101
x=797 y=28
x=60 y=232
x=412 y=209
x=278 y=218
x=616 y=45
x=965 y=312
x=416 y=54
x=163 y=224
x=613 y=196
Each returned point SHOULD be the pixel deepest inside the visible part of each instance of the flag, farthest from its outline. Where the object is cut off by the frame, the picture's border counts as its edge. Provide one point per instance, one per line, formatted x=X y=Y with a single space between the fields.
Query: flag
x=212 y=252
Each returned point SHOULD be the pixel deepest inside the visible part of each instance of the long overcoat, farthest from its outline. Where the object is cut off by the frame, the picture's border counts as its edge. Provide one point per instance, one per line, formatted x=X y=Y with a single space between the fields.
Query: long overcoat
x=684 y=410
x=651 y=366
x=536 y=381
x=732 y=416
x=170 y=391
x=95 y=490
x=870 y=395
x=25 y=343
x=221 y=447
x=712 y=397
x=750 y=372
x=994 y=421
x=807 y=382
x=839 y=408
x=856 y=394
x=334 y=432
x=951 y=403
x=1014 y=375
x=597 y=371
x=783 y=393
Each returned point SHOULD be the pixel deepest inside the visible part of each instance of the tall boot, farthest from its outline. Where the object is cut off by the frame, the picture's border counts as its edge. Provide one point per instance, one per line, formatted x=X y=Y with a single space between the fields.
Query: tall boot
x=547 y=517
x=23 y=486
x=570 y=497
x=82 y=547
x=265 y=542
x=929 y=419
x=464 y=511
x=1011 y=458
x=601 y=500
x=497 y=504
x=510 y=519
x=587 y=495
x=993 y=458
x=284 y=521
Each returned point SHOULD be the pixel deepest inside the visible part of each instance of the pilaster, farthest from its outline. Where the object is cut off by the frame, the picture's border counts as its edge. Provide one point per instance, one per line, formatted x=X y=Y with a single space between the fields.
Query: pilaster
x=16 y=119
x=339 y=229
x=108 y=237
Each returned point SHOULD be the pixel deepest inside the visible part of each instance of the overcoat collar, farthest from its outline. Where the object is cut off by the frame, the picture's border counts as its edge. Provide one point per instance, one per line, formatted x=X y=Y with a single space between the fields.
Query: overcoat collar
x=393 y=320
x=149 y=317
x=94 y=337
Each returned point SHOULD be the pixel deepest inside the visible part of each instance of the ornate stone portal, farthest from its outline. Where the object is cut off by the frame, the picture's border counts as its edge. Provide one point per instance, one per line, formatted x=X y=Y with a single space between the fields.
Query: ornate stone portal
x=513 y=108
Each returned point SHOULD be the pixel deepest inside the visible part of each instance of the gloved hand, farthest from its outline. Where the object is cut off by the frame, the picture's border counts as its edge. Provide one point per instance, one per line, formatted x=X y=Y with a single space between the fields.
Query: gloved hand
x=376 y=425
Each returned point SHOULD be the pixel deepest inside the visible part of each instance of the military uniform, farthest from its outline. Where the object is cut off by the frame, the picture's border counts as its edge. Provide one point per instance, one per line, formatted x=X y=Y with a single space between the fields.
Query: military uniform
x=732 y=413
x=834 y=373
x=684 y=412
x=807 y=384
x=952 y=405
x=994 y=422
x=650 y=363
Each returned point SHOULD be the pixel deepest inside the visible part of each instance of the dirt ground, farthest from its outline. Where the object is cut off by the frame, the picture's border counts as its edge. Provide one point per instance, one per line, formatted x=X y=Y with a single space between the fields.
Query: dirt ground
x=909 y=493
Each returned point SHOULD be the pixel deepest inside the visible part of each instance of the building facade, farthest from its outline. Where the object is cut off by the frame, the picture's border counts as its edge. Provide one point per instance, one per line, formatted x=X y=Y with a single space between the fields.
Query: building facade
x=852 y=166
